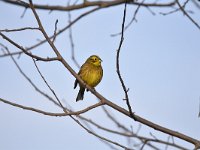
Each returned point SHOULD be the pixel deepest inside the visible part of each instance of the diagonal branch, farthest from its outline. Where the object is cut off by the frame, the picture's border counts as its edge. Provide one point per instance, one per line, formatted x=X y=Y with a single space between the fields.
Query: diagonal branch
x=55 y=30
x=27 y=78
x=66 y=65
x=103 y=138
x=25 y=51
x=187 y=15
x=130 y=134
x=154 y=125
x=48 y=85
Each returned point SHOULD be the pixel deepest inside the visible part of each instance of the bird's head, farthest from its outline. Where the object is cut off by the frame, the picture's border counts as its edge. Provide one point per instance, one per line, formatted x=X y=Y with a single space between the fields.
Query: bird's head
x=95 y=60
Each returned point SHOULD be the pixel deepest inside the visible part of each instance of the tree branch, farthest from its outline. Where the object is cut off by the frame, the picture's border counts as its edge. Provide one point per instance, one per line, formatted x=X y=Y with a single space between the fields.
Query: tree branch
x=50 y=113
x=20 y=29
x=187 y=15
x=101 y=4
x=25 y=51
x=107 y=102
x=52 y=36
x=117 y=64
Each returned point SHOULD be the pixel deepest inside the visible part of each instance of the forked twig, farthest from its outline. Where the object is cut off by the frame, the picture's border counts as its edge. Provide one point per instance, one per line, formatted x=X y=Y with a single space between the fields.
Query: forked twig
x=187 y=15
x=58 y=33
x=132 y=20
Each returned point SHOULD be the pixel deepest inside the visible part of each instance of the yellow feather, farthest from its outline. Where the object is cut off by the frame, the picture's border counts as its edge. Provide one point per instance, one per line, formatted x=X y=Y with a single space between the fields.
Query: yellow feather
x=91 y=73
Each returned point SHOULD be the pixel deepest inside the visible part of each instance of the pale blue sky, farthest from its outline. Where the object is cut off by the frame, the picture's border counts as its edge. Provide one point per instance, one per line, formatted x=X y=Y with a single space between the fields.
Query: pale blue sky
x=159 y=61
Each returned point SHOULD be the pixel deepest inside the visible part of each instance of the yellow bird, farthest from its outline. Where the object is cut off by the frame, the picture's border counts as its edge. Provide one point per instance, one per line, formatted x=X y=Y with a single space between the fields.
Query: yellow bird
x=91 y=73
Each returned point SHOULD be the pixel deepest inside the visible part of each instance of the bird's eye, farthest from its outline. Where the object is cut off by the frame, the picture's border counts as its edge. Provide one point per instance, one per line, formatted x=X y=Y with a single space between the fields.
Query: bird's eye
x=95 y=59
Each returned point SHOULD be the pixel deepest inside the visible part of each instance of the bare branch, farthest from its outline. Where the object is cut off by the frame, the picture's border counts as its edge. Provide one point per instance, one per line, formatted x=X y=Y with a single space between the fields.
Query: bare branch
x=153 y=125
x=27 y=78
x=129 y=134
x=25 y=51
x=24 y=12
x=187 y=15
x=32 y=109
x=60 y=58
x=133 y=19
x=58 y=33
x=20 y=29
x=199 y=108
x=196 y=4
x=101 y=137
x=101 y=4
x=55 y=30
x=112 y=118
x=71 y=70
x=175 y=10
x=145 y=142
x=117 y=64
x=48 y=85
x=72 y=43
x=114 y=106
x=53 y=114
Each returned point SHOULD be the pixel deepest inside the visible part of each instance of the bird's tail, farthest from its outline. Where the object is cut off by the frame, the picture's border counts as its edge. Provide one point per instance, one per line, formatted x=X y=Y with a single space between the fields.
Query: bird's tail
x=80 y=94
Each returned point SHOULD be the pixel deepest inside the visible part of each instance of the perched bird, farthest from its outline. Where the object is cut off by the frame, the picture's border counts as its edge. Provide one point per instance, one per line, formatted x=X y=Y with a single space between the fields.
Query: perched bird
x=91 y=73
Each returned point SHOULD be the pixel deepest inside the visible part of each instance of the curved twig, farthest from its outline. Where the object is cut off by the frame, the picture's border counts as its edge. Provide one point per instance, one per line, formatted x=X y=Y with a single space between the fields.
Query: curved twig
x=117 y=63
x=50 y=113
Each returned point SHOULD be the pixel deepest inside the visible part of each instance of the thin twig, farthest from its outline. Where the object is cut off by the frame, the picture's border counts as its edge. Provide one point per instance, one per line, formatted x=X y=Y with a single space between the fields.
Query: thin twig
x=58 y=33
x=145 y=142
x=27 y=78
x=112 y=118
x=133 y=19
x=117 y=63
x=50 y=113
x=48 y=84
x=23 y=13
x=168 y=138
x=20 y=29
x=129 y=134
x=72 y=43
x=187 y=15
x=55 y=30
x=25 y=51
x=196 y=4
x=199 y=108
x=32 y=109
x=175 y=10
x=103 y=138
x=109 y=145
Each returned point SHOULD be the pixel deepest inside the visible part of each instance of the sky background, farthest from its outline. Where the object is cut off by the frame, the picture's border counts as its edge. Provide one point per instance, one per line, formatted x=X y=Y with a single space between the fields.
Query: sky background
x=159 y=62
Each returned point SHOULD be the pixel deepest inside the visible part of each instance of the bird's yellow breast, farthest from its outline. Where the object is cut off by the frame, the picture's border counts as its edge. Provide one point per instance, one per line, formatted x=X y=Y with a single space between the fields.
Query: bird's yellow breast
x=91 y=74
